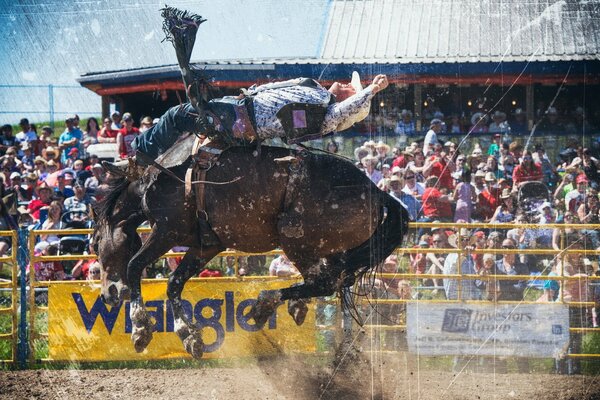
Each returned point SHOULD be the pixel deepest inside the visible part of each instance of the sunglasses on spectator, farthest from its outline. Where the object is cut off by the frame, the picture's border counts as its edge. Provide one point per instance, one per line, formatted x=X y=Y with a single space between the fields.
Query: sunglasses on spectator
x=504 y=246
x=409 y=177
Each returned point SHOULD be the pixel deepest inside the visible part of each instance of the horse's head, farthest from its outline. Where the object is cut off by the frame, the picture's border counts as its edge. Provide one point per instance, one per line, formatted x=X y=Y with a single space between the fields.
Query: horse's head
x=115 y=239
x=113 y=254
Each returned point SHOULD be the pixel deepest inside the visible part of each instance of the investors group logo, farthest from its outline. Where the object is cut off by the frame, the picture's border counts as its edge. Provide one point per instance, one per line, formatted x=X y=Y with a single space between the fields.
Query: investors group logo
x=456 y=320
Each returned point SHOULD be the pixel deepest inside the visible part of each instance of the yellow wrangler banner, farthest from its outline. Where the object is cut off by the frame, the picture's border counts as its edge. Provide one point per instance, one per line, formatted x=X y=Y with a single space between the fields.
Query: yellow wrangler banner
x=82 y=328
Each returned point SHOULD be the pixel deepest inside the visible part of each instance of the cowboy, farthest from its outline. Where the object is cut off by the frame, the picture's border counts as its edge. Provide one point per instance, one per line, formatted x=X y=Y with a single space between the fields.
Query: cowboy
x=296 y=110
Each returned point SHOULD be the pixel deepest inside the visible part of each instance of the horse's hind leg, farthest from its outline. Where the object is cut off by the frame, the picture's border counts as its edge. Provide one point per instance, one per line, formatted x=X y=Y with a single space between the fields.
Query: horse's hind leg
x=193 y=261
x=319 y=280
x=155 y=246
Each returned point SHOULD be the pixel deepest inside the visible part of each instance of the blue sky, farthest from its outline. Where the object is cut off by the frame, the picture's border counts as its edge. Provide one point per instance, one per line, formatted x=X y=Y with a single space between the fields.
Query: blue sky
x=55 y=41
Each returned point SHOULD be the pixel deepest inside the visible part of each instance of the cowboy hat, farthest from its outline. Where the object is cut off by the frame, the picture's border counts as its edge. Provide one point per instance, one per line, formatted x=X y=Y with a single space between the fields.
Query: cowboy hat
x=478 y=116
x=40 y=187
x=382 y=145
x=489 y=177
x=50 y=150
x=505 y=193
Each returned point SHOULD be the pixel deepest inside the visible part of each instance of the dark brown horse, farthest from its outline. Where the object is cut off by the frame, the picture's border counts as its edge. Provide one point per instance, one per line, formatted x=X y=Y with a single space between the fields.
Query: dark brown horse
x=323 y=212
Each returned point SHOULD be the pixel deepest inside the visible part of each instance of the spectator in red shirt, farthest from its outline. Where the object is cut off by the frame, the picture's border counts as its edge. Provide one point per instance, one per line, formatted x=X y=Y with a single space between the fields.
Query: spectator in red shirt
x=210 y=273
x=440 y=165
x=43 y=198
x=107 y=135
x=126 y=136
x=436 y=206
x=527 y=171
x=404 y=158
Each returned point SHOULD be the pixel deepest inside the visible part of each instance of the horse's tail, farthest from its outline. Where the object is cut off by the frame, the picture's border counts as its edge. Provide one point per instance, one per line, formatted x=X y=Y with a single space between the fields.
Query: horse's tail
x=386 y=238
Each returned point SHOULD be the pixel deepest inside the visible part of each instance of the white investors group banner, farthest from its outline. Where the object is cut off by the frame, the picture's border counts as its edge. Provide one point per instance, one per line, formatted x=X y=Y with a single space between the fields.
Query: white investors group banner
x=528 y=330
x=82 y=328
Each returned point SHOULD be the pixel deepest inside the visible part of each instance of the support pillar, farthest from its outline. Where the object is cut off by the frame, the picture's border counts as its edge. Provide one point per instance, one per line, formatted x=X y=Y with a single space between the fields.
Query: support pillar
x=529 y=106
x=418 y=107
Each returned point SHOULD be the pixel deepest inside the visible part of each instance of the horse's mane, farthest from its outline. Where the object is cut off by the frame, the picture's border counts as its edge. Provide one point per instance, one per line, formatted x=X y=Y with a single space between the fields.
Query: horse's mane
x=105 y=207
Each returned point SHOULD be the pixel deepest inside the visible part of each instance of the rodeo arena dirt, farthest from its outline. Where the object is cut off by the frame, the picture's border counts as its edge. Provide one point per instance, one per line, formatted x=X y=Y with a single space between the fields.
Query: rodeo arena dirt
x=368 y=199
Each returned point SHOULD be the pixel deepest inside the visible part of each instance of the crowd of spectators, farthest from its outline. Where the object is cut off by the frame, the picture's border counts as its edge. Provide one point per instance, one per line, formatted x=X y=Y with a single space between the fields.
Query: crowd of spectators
x=458 y=121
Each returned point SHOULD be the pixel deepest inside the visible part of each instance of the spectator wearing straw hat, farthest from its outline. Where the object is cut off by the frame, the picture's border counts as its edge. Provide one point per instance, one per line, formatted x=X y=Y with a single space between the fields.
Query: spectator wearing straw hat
x=408 y=201
x=506 y=211
x=42 y=200
x=499 y=124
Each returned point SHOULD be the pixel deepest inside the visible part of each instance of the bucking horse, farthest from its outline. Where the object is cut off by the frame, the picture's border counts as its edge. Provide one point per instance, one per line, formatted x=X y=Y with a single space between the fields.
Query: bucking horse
x=327 y=216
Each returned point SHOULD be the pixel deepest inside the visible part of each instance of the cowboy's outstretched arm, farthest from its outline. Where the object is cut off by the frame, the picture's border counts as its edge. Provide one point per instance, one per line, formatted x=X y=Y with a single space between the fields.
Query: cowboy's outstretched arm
x=354 y=109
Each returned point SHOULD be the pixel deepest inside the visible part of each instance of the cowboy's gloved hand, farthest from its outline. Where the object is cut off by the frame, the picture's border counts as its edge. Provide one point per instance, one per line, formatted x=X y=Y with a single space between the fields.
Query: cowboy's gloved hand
x=204 y=126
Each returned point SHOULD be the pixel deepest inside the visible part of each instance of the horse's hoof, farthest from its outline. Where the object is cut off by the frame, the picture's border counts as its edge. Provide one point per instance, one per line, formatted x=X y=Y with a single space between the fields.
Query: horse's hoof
x=298 y=310
x=265 y=306
x=194 y=345
x=141 y=338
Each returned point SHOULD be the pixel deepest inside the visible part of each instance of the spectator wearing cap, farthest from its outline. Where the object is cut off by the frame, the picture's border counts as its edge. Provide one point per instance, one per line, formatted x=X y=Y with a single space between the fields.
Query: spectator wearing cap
x=15 y=187
x=435 y=127
x=98 y=177
x=6 y=138
x=116 y=123
x=406 y=126
x=69 y=139
x=550 y=123
x=576 y=197
x=26 y=134
x=78 y=204
x=527 y=171
x=65 y=182
x=71 y=158
x=43 y=197
x=126 y=136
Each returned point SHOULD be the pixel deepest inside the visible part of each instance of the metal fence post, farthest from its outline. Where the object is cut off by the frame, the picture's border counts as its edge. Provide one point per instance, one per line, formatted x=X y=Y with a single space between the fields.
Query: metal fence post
x=22 y=261
x=51 y=104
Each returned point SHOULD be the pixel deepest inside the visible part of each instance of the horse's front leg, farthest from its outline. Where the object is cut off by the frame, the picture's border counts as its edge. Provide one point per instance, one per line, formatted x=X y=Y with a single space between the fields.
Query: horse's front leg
x=193 y=261
x=142 y=326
